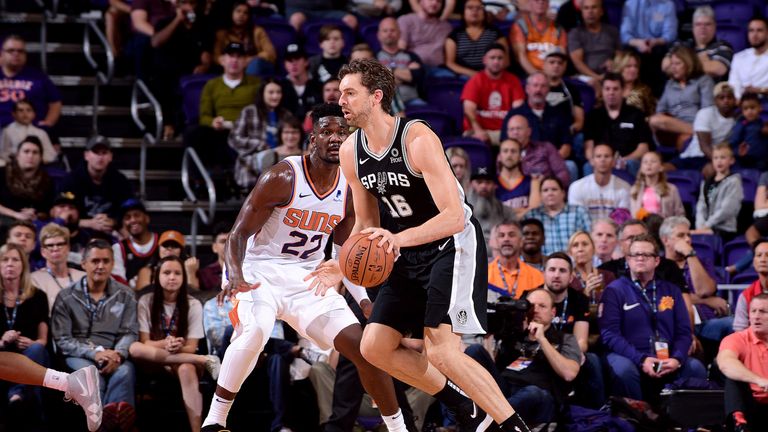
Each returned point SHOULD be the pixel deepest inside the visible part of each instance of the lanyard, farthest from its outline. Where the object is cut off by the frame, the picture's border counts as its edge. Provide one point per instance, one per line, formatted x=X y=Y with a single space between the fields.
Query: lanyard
x=10 y=318
x=92 y=309
x=562 y=319
x=653 y=304
x=504 y=280
x=69 y=274
x=169 y=329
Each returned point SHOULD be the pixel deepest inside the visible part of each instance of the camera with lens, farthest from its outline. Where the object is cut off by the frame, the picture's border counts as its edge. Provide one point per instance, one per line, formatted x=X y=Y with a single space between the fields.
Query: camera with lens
x=507 y=317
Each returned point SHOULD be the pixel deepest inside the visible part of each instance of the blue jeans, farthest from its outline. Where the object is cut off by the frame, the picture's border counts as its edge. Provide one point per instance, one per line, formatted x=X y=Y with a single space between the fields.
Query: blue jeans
x=278 y=364
x=117 y=387
x=715 y=329
x=534 y=404
x=590 y=384
x=260 y=67
x=626 y=376
x=38 y=354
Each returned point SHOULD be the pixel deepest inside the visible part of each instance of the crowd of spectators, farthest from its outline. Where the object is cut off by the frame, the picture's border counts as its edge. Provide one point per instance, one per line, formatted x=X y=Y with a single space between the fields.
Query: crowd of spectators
x=613 y=153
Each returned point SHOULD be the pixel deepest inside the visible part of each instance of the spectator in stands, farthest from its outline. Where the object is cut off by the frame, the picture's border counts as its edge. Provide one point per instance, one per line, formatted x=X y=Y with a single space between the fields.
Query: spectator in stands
x=649 y=27
x=405 y=65
x=115 y=23
x=760 y=262
x=558 y=274
x=587 y=279
x=652 y=193
x=508 y=275
x=534 y=34
x=560 y=219
x=593 y=44
x=749 y=138
x=460 y=165
x=18 y=81
x=170 y=326
x=466 y=44
x=533 y=240
x=94 y=323
x=535 y=372
x=210 y=275
x=25 y=327
x=28 y=191
x=759 y=227
x=488 y=95
x=563 y=95
x=687 y=91
x=145 y=16
x=327 y=64
x=21 y=128
x=171 y=244
x=715 y=55
x=66 y=213
x=300 y=92
x=541 y=158
x=605 y=235
x=547 y=123
x=299 y=11
x=255 y=131
x=619 y=124
x=601 y=192
x=720 y=197
x=448 y=8
x=515 y=188
x=139 y=246
x=635 y=92
x=260 y=55
x=376 y=8
x=180 y=47
x=222 y=100
x=99 y=186
x=218 y=326
x=713 y=311
x=56 y=275
x=424 y=33
x=645 y=327
x=488 y=210
x=742 y=361
x=749 y=69
x=712 y=125
x=290 y=138
x=22 y=233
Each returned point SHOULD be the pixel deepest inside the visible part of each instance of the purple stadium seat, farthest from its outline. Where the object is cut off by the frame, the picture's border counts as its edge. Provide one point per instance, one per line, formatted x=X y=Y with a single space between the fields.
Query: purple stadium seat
x=613 y=10
x=710 y=242
x=734 y=250
x=624 y=175
x=745 y=278
x=441 y=122
x=368 y=33
x=446 y=94
x=705 y=251
x=478 y=151
x=191 y=88
x=687 y=187
x=749 y=179
x=586 y=92
x=311 y=31
x=693 y=175
x=280 y=33
x=733 y=12
x=734 y=35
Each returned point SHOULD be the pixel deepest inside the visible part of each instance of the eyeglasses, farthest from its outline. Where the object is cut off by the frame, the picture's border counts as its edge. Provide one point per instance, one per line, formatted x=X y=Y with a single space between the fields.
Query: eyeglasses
x=15 y=50
x=55 y=245
x=641 y=255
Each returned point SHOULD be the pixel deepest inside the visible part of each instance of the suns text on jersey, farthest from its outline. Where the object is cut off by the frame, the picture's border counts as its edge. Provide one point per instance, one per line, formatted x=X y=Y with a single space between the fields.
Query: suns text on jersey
x=311 y=220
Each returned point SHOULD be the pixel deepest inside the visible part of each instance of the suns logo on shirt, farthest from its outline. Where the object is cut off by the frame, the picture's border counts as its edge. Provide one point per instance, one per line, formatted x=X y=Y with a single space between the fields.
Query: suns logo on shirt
x=311 y=220
x=666 y=303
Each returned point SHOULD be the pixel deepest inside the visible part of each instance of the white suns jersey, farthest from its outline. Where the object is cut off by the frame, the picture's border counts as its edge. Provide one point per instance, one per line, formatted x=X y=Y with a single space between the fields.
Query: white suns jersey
x=297 y=233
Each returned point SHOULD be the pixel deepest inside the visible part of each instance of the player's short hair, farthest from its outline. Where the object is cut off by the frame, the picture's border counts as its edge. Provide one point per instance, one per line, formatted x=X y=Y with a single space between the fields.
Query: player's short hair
x=373 y=76
x=325 y=110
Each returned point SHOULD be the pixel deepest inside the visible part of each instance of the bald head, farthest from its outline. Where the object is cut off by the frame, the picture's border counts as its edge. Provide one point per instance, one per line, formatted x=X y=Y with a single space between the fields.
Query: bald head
x=389 y=33
x=518 y=129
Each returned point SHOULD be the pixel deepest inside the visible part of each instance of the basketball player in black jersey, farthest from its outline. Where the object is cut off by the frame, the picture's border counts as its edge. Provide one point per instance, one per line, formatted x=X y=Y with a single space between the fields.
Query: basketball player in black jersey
x=438 y=286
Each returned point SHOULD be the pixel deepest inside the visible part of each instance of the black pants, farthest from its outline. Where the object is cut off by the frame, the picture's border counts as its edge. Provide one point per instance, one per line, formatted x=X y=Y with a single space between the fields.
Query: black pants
x=211 y=145
x=738 y=397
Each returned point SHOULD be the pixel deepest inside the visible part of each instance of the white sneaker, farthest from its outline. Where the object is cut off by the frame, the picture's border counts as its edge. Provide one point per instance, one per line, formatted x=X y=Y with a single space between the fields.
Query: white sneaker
x=83 y=389
x=213 y=366
x=312 y=356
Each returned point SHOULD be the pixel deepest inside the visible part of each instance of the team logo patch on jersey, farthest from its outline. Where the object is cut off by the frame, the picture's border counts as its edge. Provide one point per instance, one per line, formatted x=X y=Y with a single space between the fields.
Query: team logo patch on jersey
x=395 y=156
x=337 y=198
x=461 y=317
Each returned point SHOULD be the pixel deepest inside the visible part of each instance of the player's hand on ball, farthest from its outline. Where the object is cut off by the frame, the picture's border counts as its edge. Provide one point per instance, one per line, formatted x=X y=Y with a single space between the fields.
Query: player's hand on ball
x=233 y=287
x=386 y=238
x=326 y=276
x=367 y=307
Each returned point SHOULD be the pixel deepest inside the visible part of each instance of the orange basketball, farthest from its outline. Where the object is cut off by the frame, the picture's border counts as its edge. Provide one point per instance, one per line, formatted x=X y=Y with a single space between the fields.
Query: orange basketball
x=363 y=262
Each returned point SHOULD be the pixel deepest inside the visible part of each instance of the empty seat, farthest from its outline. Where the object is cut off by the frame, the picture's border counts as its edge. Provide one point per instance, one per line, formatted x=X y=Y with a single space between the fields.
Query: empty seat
x=478 y=151
x=749 y=179
x=441 y=122
x=733 y=12
x=687 y=187
x=734 y=35
x=745 y=278
x=191 y=89
x=369 y=33
x=586 y=92
x=734 y=250
x=446 y=95
x=710 y=242
x=280 y=33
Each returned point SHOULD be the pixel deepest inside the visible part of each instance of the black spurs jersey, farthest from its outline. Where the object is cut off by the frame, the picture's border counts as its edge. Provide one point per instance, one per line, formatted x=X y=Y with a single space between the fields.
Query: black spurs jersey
x=403 y=194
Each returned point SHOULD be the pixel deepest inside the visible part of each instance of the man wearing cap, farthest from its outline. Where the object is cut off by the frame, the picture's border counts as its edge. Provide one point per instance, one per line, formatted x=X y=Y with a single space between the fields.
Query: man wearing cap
x=100 y=186
x=139 y=248
x=300 y=92
x=488 y=95
x=221 y=101
x=482 y=196
x=66 y=212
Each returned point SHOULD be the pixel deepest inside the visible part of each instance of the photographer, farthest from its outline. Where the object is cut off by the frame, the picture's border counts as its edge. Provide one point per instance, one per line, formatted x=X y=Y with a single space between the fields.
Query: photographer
x=534 y=367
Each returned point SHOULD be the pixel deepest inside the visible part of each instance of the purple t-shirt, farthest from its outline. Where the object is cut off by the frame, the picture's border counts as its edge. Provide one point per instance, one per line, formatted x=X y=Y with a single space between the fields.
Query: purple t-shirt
x=30 y=84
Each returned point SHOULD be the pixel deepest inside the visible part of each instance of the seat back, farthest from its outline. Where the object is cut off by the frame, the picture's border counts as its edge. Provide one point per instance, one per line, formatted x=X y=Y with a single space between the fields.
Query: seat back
x=191 y=89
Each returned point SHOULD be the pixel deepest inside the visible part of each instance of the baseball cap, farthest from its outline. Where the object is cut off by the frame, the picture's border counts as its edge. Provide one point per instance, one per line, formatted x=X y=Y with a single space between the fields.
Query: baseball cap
x=234 y=48
x=97 y=141
x=294 y=51
x=556 y=52
x=482 y=172
x=65 y=198
x=172 y=235
x=131 y=204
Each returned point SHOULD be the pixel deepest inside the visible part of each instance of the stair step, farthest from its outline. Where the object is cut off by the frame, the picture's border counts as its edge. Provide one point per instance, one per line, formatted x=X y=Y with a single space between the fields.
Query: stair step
x=62 y=48
x=133 y=174
x=188 y=206
x=24 y=18
x=76 y=80
x=118 y=142
x=87 y=110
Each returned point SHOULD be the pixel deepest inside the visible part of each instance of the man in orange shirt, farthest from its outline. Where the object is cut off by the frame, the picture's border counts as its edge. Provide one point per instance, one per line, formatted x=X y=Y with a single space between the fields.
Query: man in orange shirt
x=534 y=35
x=507 y=274
x=742 y=359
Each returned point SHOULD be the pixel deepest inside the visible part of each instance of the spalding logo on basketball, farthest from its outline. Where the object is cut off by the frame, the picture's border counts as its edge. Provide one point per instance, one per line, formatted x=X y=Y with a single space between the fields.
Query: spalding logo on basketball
x=363 y=262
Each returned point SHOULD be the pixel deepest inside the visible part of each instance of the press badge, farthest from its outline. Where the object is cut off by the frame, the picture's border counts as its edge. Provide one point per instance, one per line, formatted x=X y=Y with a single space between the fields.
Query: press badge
x=520 y=364
x=662 y=349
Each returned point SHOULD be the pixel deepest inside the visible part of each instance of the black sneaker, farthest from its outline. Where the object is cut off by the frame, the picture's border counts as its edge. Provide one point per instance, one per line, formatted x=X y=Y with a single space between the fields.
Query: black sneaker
x=473 y=419
x=214 y=428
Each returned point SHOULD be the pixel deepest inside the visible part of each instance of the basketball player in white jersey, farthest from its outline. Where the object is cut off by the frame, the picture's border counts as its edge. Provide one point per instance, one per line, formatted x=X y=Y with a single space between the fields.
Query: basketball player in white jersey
x=278 y=239
x=438 y=285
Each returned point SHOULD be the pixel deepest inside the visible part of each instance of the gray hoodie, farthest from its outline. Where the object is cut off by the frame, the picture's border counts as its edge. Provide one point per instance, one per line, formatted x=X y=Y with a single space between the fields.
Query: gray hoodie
x=722 y=210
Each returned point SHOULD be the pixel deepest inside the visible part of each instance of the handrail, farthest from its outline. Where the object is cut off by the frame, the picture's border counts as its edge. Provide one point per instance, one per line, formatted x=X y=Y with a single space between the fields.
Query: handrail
x=199 y=213
x=102 y=78
x=140 y=89
x=47 y=14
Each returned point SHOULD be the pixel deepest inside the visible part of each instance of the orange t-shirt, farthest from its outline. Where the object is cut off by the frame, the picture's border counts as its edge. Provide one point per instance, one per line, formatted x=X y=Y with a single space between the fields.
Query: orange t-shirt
x=525 y=278
x=753 y=352
x=538 y=43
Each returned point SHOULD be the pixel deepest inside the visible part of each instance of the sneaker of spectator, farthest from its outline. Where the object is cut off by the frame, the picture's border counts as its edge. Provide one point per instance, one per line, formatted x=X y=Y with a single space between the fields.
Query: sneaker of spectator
x=259 y=51
x=22 y=127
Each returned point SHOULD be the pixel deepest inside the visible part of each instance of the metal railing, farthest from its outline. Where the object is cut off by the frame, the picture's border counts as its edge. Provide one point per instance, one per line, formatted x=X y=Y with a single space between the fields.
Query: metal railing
x=102 y=77
x=47 y=14
x=143 y=99
x=198 y=215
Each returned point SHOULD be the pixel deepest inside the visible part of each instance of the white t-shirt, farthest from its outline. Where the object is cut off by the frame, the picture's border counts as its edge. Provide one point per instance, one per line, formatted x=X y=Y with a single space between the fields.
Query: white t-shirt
x=194 y=317
x=748 y=69
x=709 y=120
x=599 y=201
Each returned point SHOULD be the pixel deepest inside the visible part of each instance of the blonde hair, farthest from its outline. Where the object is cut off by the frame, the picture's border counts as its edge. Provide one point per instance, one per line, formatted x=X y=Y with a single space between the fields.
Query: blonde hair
x=53 y=230
x=572 y=239
x=723 y=146
x=450 y=152
x=662 y=187
x=27 y=290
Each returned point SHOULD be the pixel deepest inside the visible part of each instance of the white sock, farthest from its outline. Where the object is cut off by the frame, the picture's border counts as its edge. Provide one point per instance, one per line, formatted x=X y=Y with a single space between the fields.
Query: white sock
x=218 y=412
x=55 y=380
x=395 y=422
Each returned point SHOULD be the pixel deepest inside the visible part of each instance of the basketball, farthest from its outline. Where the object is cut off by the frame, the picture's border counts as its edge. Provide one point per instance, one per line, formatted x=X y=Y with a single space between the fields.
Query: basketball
x=363 y=262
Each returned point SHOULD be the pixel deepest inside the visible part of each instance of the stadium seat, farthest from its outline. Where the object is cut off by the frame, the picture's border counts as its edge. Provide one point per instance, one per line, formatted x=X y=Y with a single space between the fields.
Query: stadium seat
x=687 y=187
x=733 y=12
x=745 y=278
x=613 y=10
x=311 y=31
x=749 y=179
x=478 y=151
x=624 y=175
x=369 y=34
x=441 y=122
x=734 y=35
x=705 y=251
x=586 y=92
x=280 y=33
x=734 y=250
x=708 y=242
x=191 y=88
x=446 y=94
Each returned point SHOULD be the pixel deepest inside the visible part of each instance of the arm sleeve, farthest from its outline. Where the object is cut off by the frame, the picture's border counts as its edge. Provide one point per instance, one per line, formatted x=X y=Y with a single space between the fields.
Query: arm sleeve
x=610 y=327
x=627 y=30
x=119 y=268
x=706 y=89
x=670 y=23
x=207 y=111
x=741 y=315
x=128 y=332
x=61 y=327
x=728 y=204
